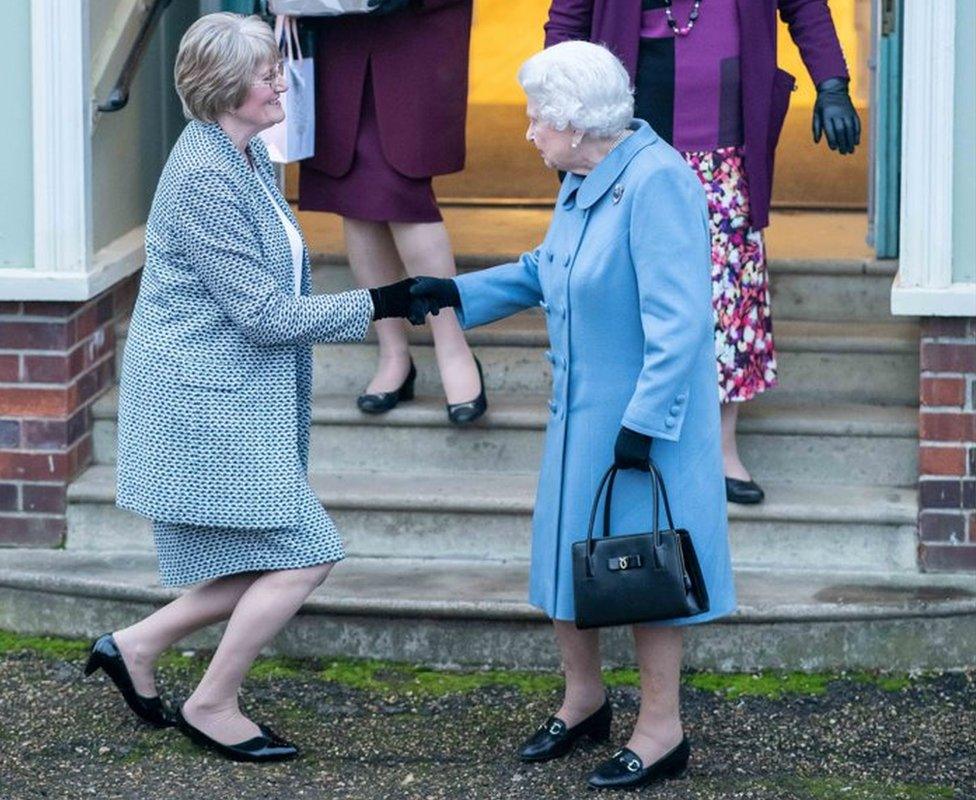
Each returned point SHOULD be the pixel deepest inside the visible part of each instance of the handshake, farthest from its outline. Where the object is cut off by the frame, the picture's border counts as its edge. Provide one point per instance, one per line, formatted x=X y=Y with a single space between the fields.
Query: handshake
x=414 y=298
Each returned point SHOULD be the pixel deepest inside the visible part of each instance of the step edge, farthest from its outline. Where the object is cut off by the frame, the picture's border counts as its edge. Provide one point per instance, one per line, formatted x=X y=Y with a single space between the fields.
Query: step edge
x=98 y=490
x=488 y=610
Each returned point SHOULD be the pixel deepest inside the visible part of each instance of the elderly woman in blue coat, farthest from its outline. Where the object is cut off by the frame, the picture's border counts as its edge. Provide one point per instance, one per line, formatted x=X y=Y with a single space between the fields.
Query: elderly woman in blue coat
x=623 y=278
x=215 y=390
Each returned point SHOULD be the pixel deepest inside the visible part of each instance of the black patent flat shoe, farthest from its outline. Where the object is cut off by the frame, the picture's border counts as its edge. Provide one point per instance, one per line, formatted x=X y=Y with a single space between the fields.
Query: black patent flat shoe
x=746 y=493
x=466 y=413
x=265 y=748
x=625 y=770
x=554 y=739
x=382 y=402
x=105 y=655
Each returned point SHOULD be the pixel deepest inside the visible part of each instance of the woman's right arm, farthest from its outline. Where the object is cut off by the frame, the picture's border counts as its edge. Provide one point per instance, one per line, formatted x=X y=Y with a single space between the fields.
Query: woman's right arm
x=569 y=20
x=488 y=294
x=221 y=245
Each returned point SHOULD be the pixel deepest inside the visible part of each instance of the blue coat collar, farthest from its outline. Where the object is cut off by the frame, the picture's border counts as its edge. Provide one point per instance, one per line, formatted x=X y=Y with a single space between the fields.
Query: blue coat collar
x=592 y=187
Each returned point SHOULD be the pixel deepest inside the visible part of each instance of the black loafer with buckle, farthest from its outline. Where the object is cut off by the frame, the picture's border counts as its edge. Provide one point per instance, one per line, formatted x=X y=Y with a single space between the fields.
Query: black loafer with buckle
x=625 y=770
x=554 y=740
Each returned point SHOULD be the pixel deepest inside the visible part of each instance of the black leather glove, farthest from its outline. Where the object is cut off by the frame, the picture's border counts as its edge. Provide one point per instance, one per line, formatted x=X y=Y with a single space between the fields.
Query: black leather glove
x=386 y=6
x=395 y=300
x=834 y=115
x=436 y=293
x=632 y=450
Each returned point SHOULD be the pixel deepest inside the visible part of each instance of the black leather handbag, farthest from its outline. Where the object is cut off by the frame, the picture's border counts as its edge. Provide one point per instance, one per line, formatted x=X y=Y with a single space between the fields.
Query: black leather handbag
x=640 y=577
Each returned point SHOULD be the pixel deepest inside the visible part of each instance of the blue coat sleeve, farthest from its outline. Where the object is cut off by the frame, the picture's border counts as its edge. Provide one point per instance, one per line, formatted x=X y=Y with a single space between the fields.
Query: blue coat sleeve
x=671 y=252
x=218 y=238
x=491 y=294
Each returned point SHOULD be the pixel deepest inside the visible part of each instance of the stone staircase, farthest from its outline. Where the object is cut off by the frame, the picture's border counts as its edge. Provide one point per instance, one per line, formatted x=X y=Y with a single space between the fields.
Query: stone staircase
x=437 y=519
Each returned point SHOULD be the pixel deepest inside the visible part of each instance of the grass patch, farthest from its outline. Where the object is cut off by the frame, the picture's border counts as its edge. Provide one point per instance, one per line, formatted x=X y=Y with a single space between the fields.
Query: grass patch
x=771 y=685
x=48 y=646
x=889 y=682
x=392 y=678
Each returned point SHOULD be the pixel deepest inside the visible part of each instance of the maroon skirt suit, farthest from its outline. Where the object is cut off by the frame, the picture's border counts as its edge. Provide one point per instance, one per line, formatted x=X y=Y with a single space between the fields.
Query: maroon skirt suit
x=391 y=100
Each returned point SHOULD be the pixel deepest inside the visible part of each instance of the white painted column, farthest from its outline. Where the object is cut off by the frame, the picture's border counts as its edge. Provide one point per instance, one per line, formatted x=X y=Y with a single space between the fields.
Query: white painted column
x=61 y=136
x=924 y=285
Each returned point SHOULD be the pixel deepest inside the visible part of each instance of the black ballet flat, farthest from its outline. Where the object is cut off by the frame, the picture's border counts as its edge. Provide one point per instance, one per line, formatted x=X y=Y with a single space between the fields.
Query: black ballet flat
x=625 y=770
x=554 y=739
x=265 y=748
x=746 y=493
x=466 y=413
x=383 y=401
x=105 y=655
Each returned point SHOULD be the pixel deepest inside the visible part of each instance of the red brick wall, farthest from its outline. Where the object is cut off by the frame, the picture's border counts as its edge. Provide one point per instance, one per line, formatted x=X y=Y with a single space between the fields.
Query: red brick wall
x=55 y=361
x=947 y=455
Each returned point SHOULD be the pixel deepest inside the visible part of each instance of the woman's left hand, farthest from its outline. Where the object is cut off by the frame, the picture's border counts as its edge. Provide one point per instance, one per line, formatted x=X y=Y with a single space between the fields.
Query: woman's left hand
x=395 y=300
x=834 y=115
x=632 y=450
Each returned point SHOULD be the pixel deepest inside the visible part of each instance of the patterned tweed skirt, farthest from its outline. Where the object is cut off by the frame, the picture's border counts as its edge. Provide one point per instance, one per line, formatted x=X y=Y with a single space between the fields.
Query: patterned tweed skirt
x=744 y=351
x=192 y=553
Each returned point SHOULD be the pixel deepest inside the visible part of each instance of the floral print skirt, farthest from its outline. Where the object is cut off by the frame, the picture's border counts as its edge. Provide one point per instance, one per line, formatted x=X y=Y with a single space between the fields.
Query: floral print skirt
x=740 y=284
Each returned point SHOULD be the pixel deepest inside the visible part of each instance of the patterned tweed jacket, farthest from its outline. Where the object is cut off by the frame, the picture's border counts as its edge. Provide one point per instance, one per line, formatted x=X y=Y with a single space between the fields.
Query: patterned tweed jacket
x=214 y=396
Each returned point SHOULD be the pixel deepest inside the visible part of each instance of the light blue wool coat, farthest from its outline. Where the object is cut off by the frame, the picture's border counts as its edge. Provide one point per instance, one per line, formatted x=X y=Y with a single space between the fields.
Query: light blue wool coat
x=623 y=276
x=214 y=395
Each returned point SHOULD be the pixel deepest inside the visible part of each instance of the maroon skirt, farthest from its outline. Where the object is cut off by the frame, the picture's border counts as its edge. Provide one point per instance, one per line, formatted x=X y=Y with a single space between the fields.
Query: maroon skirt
x=372 y=189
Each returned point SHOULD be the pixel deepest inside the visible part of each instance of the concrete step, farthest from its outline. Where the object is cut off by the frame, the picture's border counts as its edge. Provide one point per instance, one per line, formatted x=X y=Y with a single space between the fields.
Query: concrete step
x=871 y=445
x=819 y=362
x=488 y=516
x=802 y=289
x=443 y=612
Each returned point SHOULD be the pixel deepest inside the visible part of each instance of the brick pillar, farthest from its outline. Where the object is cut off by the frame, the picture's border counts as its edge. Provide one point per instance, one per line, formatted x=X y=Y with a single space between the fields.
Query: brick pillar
x=56 y=359
x=947 y=455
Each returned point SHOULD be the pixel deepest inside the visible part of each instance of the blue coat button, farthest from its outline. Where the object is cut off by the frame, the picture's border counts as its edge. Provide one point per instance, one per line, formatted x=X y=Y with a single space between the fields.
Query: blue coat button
x=544 y=306
x=552 y=406
x=675 y=409
x=669 y=422
x=679 y=399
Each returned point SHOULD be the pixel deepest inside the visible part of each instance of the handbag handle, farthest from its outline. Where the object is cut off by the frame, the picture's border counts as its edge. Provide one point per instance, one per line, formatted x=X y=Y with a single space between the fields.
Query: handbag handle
x=608 y=479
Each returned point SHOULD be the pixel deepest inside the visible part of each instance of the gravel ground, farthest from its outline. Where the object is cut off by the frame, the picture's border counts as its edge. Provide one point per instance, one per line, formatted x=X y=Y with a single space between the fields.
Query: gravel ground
x=371 y=732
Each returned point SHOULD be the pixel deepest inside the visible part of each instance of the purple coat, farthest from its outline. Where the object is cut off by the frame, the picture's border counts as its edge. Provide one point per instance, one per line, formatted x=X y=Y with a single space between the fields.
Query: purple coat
x=418 y=60
x=765 y=88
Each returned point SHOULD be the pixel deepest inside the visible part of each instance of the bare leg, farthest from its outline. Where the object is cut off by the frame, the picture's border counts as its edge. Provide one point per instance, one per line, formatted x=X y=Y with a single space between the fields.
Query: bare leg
x=260 y=614
x=658 y=729
x=580 y=652
x=734 y=468
x=425 y=249
x=375 y=262
x=142 y=643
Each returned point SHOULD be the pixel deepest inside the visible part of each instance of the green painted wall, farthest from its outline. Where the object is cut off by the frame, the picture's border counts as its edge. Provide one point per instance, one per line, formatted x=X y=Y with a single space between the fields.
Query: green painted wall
x=129 y=147
x=964 y=146
x=16 y=155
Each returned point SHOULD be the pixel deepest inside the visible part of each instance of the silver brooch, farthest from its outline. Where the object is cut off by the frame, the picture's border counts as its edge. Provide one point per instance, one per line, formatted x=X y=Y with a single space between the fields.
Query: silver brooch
x=618 y=192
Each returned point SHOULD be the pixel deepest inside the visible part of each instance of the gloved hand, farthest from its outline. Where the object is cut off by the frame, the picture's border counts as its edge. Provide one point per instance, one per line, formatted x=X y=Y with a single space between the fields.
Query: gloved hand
x=834 y=115
x=436 y=293
x=386 y=6
x=395 y=300
x=632 y=450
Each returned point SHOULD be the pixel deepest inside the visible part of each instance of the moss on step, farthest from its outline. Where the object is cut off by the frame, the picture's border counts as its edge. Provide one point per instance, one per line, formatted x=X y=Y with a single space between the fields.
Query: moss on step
x=835 y=788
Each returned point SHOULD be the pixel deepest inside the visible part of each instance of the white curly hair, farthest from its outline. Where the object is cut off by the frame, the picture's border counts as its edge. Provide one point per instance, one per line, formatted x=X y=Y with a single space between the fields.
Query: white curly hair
x=579 y=85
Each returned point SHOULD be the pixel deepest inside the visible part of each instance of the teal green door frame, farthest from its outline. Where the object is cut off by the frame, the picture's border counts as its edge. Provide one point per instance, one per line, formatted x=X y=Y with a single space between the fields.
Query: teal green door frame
x=885 y=154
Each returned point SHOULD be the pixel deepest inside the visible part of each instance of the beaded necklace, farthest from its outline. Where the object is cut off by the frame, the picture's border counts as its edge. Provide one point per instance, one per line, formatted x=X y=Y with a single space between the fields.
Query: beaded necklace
x=672 y=23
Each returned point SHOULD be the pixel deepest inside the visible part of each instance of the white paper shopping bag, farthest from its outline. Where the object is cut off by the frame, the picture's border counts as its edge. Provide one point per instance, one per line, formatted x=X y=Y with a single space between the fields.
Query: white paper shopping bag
x=293 y=138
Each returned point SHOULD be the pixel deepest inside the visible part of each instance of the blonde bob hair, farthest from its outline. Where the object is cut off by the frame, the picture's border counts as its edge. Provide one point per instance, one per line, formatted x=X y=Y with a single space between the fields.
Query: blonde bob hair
x=218 y=59
x=579 y=85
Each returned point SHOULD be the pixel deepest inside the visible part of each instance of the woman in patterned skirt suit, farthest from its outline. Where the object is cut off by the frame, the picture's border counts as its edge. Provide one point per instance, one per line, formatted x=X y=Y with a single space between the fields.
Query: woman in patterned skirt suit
x=391 y=95
x=623 y=278
x=706 y=80
x=214 y=403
